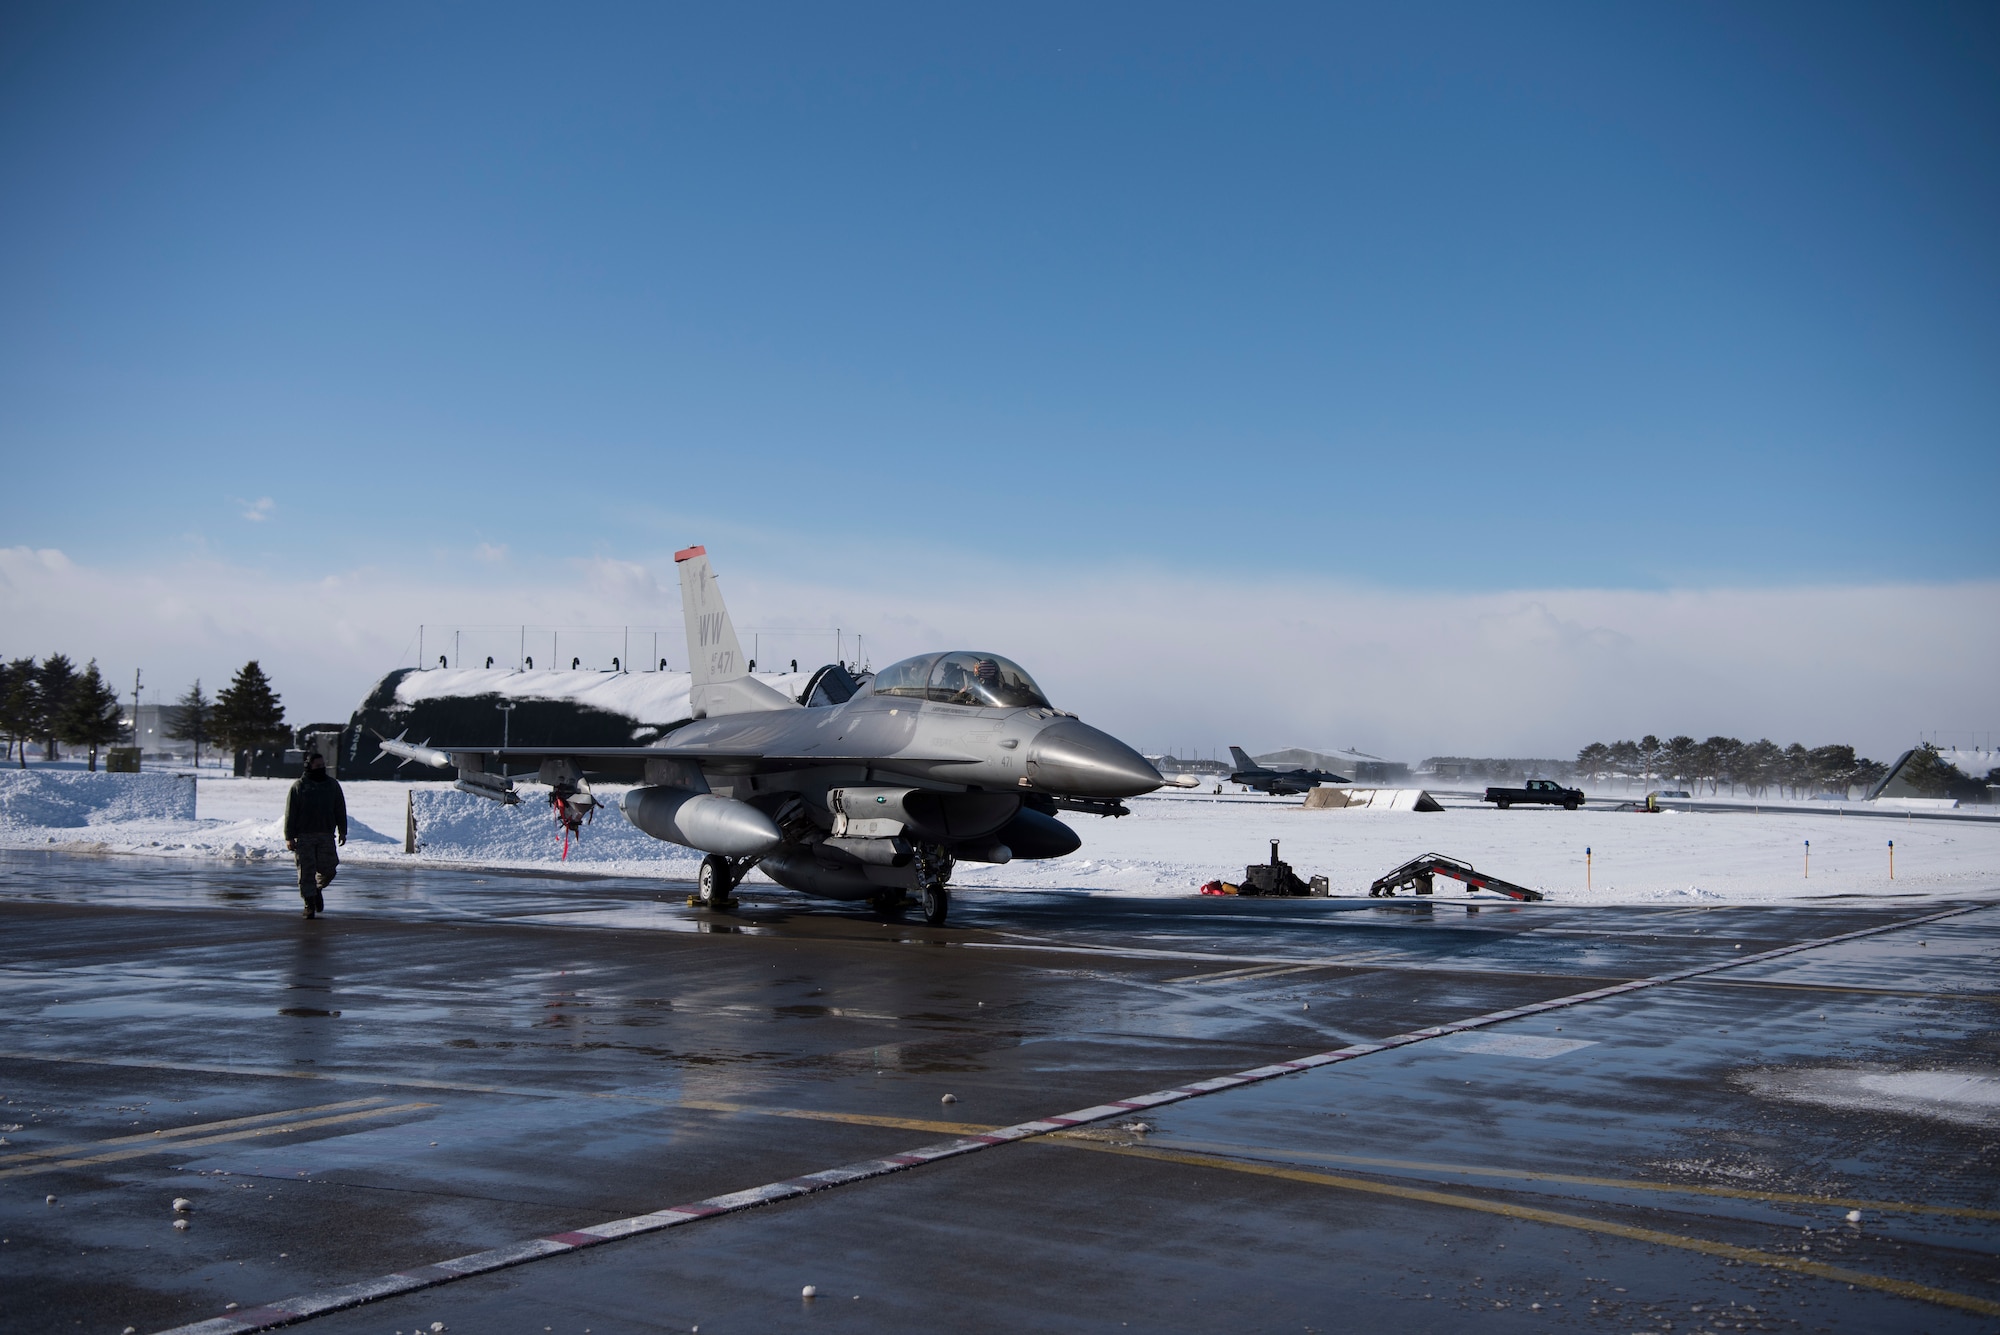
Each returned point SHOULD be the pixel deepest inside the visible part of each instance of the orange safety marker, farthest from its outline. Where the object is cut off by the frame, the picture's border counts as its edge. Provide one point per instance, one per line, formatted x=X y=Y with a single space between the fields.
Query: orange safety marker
x=1892 y=859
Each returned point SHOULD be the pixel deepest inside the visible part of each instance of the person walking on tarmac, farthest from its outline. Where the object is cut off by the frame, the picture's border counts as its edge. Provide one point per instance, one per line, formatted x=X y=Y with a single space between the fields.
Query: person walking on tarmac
x=315 y=811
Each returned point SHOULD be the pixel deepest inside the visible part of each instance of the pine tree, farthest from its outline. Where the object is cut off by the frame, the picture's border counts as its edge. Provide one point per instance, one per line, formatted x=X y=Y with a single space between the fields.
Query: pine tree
x=1832 y=768
x=6 y=689
x=20 y=706
x=1795 y=767
x=1677 y=754
x=1759 y=765
x=91 y=716
x=1720 y=757
x=248 y=713
x=54 y=680
x=1593 y=761
x=192 y=719
x=1868 y=773
x=1625 y=759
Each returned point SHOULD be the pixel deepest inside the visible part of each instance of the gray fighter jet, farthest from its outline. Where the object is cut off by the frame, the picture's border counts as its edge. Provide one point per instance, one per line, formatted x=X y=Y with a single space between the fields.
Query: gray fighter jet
x=1277 y=782
x=866 y=791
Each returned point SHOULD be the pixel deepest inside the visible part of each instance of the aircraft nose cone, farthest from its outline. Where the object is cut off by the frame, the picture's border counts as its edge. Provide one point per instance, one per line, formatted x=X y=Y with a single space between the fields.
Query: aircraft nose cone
x=1075 y=758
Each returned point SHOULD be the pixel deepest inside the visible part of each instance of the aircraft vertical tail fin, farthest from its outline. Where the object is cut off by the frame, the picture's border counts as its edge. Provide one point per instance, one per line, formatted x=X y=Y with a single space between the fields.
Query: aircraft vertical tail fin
x=722 y=680
x=714 y=654
x=1243 y=762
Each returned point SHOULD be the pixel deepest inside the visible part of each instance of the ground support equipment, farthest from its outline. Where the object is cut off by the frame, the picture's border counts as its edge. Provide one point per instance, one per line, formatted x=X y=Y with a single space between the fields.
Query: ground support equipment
x=1417 y=875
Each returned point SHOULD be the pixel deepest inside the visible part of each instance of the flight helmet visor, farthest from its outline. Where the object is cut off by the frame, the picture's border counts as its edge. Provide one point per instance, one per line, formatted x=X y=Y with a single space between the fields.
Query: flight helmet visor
x=968 y=678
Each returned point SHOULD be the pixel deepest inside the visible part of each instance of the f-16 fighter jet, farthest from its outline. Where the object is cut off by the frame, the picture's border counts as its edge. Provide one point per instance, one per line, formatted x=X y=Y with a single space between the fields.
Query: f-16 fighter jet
x=1277 y=782
x=866 y=792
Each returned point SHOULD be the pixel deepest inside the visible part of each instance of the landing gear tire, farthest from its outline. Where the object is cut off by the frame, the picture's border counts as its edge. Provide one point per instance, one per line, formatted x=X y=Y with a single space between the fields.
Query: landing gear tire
x=713 y=883
x=933 y=874
x=937 y=903
x=889 y=903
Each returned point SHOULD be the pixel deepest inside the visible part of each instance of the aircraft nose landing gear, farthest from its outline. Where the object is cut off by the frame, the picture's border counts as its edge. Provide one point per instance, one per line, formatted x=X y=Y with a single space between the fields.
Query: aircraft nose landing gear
x=937 y=903
x=933 y=871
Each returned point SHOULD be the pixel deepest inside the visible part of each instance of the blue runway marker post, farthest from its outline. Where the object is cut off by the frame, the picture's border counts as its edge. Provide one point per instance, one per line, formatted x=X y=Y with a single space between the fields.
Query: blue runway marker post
x=1892 y=859
x=1586 y=868
x=1808 y=875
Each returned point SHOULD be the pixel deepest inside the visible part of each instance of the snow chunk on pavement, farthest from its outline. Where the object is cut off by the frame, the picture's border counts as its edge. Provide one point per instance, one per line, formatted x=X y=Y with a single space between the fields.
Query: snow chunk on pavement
x=1965 y=1096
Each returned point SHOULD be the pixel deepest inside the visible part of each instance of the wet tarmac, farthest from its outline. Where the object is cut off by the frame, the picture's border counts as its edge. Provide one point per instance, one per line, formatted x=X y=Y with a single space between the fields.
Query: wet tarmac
x=452 y=1062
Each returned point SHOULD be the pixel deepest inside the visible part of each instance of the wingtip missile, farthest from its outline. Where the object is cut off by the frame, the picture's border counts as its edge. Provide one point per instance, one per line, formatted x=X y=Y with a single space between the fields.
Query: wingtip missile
x=409 y=751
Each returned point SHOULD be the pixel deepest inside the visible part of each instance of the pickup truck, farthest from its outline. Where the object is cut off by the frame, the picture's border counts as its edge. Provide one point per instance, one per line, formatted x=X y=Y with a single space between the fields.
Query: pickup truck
x=1547 y=792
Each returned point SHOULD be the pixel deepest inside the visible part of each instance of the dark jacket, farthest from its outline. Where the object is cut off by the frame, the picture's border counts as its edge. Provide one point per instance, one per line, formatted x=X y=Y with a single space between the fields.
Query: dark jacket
x=315 y=806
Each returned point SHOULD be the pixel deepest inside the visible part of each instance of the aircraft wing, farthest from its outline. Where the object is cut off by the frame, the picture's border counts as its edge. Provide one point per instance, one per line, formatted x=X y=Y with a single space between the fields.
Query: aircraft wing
x=508 y=759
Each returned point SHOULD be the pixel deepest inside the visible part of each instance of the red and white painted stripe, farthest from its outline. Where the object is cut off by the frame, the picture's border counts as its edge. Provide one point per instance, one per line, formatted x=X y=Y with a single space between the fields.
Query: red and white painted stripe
x=289 y=1310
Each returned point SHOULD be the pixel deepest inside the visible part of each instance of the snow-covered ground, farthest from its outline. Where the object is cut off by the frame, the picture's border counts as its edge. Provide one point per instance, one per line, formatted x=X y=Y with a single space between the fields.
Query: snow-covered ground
x=1172 y=843
x=1169 y=845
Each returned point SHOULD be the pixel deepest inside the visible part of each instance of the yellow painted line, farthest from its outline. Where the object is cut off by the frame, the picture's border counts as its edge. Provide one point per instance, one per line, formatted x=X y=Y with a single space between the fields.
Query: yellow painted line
x=1251 y=975
x=1836 y=987
x=1860 y=1279
x=852 y=1119
x=1271 y=968
x=163 y=1146
x=1571 y=1179
x=198 y=1128
x=1098 y=1138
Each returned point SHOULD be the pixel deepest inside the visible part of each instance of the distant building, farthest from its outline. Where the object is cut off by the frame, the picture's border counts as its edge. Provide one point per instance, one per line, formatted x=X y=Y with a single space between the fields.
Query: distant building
x=1171 y=764
x=154 y=721
x=1457 y=769
x=1951 y=772
x=1357 y=765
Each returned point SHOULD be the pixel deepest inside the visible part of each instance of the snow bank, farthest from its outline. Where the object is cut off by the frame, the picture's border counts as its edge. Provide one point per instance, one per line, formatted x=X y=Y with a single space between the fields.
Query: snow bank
x=1169 y=845
x=152 y=813
x=1173 y=842
x=1379 y=799
x=68 y=799
x=455 y=826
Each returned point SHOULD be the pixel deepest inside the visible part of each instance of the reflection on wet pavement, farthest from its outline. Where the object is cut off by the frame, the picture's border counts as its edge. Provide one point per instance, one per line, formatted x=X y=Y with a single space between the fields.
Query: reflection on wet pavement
x=450 y=1062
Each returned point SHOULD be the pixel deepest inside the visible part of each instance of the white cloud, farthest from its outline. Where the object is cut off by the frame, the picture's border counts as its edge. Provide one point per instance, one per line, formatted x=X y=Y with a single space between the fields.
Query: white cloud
x=1158 y=659
x=490 y=553
x=259 y=510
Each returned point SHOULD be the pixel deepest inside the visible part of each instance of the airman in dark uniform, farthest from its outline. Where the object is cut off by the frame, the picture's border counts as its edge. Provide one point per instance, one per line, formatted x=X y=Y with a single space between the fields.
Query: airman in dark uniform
x=315 y=813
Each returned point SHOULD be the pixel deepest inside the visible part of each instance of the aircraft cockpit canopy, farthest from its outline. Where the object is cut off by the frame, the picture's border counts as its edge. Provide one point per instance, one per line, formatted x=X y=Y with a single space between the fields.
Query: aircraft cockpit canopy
x=962 y=677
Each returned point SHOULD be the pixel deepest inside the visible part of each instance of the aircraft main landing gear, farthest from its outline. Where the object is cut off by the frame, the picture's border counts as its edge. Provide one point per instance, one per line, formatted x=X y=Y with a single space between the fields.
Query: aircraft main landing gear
x=713 y=883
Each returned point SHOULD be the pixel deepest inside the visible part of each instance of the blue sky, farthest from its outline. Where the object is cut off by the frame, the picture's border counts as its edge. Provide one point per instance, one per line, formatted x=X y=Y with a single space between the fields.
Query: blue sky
x=1603 y=296
x=1478 y=378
